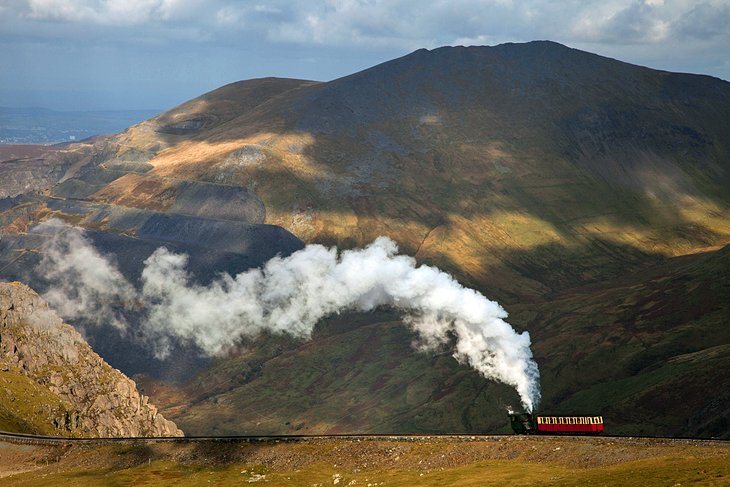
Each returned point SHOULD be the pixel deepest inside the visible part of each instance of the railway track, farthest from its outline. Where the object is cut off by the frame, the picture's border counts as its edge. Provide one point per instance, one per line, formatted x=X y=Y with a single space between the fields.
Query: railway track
x=26 y=439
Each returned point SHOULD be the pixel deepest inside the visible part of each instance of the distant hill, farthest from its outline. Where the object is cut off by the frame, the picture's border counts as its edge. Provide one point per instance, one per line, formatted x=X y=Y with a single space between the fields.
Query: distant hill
x=562 y=183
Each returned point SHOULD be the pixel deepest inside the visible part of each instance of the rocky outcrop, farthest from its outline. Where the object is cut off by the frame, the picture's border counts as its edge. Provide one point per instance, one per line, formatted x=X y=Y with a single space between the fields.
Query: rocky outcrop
x=96 y=399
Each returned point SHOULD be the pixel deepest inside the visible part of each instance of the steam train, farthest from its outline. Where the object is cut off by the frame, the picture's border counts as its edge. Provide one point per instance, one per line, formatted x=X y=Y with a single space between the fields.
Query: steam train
x=526 y=424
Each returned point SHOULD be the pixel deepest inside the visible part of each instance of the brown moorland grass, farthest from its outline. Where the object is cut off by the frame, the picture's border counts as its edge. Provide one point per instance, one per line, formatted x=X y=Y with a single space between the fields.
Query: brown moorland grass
x=428 y=461
x=10 y=152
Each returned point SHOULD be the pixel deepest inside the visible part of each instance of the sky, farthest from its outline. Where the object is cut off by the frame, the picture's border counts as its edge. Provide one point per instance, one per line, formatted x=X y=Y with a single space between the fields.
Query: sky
x=155 y=54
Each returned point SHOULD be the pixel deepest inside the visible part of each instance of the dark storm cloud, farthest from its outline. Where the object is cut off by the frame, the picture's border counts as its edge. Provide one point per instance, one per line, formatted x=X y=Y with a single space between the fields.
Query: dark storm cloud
x=169 y=50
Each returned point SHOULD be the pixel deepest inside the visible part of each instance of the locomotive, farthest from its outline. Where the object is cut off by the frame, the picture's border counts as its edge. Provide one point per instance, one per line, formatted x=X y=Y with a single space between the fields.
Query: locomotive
x=527 y=424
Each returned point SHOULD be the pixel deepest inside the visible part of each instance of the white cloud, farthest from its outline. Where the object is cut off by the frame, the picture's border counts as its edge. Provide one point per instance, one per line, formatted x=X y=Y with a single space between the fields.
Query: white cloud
x=406 y=24
x=114 y=12
x=480 y=40
x=62 y=10
x=268 y=9
x=277 y=36
x=705 y=21
x=230 y=15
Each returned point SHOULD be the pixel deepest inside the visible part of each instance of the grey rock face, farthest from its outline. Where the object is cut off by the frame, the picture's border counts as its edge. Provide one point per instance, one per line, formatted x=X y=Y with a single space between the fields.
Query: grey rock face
x=36 y=342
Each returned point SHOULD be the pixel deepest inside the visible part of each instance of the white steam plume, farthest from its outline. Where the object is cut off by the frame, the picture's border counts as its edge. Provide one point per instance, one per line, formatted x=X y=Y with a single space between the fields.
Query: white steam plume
x=84 y=284
x=291 y=294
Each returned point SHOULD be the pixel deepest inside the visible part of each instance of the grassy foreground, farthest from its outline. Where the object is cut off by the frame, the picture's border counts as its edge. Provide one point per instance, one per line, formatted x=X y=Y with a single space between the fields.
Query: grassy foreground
x=461 y=461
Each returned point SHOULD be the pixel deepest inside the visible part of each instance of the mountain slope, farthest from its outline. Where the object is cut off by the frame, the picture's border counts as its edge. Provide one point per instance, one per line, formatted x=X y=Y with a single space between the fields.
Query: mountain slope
x=651 y=350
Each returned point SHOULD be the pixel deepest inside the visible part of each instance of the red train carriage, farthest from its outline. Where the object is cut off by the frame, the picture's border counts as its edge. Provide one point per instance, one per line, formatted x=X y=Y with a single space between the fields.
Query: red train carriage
x=524 y=423
x=569 y=424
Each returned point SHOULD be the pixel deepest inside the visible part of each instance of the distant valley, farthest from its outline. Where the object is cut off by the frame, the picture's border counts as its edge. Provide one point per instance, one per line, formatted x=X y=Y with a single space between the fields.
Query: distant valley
x=44 y=126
